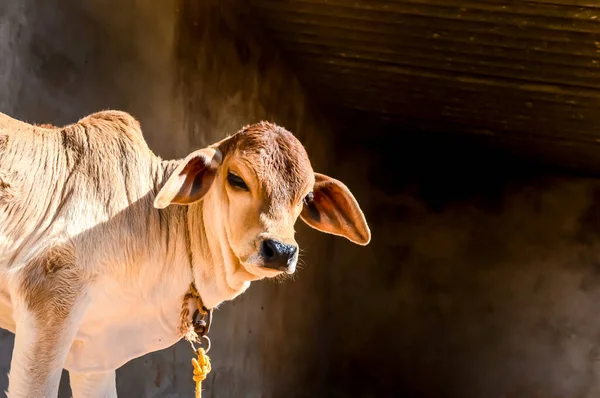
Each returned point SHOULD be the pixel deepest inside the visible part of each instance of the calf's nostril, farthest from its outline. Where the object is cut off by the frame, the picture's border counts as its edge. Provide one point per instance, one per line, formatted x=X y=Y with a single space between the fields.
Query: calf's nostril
x=268 y=249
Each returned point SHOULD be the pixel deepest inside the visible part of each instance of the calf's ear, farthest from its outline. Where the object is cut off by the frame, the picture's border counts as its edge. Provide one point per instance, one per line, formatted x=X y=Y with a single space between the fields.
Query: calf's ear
x=331 y=208
x=191 y=179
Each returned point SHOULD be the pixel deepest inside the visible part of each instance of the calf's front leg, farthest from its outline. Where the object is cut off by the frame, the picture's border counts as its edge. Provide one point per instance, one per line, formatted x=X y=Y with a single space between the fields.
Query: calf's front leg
x=48 y=305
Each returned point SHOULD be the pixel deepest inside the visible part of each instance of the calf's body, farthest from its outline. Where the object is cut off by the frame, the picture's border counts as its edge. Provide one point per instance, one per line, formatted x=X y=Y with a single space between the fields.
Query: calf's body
x=84 y=255
x=100 y=239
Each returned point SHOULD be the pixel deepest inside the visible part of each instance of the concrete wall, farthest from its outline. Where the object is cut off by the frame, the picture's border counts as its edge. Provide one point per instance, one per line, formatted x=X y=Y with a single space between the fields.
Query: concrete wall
x=482 y=279
x=191 y=72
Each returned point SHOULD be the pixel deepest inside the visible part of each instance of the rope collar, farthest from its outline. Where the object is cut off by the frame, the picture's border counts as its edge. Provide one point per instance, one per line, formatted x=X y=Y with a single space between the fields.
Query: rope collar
x=195 y=329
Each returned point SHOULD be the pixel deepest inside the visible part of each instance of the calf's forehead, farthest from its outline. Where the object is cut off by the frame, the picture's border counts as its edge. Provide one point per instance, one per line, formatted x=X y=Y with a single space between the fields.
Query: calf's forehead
x=278 y=159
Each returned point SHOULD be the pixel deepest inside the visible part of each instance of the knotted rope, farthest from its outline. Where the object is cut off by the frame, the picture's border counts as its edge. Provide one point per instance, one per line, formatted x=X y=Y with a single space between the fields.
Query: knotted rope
x=193 y=333
x=201 y=369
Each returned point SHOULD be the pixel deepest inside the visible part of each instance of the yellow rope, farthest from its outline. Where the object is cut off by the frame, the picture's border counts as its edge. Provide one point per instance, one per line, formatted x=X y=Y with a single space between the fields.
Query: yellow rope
x=201 y=369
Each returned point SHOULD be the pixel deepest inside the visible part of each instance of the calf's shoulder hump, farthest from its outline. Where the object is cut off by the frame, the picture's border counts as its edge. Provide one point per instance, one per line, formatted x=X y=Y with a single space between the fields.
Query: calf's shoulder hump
x=111 y=122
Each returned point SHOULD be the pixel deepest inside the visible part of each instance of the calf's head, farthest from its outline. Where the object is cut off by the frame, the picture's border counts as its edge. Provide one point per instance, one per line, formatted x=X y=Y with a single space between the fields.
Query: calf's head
x=252 y=187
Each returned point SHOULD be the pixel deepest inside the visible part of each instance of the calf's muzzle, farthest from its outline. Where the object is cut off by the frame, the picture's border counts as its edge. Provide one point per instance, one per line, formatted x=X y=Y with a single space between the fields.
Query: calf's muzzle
x=278 y=255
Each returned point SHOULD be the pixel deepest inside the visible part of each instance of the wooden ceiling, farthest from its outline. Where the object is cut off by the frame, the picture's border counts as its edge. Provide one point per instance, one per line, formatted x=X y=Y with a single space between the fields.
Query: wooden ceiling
x=526 y=73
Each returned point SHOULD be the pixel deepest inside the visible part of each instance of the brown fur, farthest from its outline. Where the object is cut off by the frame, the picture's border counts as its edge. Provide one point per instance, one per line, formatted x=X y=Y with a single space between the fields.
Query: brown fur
x=267 y=147
x=51 y=285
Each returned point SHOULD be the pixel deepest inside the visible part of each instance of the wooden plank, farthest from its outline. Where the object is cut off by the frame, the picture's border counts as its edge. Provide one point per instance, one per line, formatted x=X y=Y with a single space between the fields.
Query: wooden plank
x=515 y=67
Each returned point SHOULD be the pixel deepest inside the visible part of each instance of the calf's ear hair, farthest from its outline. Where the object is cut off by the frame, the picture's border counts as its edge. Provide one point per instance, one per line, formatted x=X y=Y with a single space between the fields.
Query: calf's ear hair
x=191 y=180
x=331 y=208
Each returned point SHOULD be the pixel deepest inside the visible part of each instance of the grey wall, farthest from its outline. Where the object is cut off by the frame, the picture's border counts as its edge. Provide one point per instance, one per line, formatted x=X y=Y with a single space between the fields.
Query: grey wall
x=191 y=72
x=482 y=279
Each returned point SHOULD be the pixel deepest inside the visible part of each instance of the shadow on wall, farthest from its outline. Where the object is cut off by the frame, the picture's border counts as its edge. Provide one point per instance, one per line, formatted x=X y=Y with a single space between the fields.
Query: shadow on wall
x=482 y=280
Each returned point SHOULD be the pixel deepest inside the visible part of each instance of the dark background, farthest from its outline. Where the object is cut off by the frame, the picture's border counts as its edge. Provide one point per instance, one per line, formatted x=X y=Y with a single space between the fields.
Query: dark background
x=468 y=131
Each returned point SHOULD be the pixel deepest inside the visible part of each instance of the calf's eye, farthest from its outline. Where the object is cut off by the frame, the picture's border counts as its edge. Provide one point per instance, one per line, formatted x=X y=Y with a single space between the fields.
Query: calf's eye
x=236 y=181
x=308 y=198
